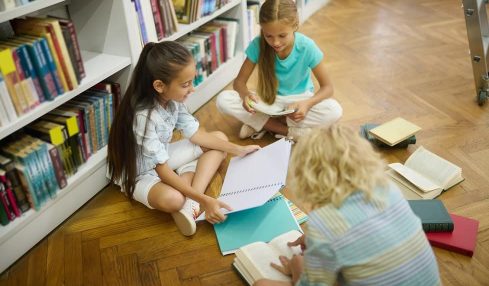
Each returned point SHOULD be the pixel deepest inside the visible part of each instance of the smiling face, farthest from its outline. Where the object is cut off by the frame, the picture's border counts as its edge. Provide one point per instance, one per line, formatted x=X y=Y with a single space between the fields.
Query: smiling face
x=279 y=36
x=180 y=87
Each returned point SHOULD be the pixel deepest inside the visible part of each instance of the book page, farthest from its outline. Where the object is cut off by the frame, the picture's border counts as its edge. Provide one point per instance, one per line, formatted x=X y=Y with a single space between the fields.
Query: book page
x=395 y=131
x=432 y=166
x=256 y=258
x=409 y=190
x=243 y=271
x=420 y=181
x=279 y=243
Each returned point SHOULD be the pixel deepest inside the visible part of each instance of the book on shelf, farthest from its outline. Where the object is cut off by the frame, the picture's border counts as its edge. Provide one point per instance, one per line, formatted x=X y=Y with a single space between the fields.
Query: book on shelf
x=252 y=180
x=462 y=239
x=262 y=223
x=270 y=110
x=7 y=5
x=12 y=81
x=433 y=215
x=425 y=175
x=364 y=132
x=13 y=180
x=253 y=261
x=394 y=131
x=6 y=102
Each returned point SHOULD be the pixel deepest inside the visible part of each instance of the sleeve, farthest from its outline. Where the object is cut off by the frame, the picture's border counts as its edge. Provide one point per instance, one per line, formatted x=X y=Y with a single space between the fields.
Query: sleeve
x=315 y=54
x=147 y=137
x=320 y=262
x=186 y=122
x=253 y=50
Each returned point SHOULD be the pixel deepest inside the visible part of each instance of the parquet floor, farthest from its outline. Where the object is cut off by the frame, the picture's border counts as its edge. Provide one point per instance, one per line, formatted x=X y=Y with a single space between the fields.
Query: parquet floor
x=387 y=58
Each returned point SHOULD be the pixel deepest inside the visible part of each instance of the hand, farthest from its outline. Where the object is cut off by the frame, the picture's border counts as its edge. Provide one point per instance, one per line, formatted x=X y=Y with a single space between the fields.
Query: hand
x=242 y=151
x=299 y=241
x=290 y=267
x=246 y=102
x=212 y=208
x=301 y=109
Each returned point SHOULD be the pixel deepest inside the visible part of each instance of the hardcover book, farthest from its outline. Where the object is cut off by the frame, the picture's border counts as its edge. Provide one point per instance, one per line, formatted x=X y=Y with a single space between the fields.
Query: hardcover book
x=433 y=215
x=394 y=131
x=462 y=239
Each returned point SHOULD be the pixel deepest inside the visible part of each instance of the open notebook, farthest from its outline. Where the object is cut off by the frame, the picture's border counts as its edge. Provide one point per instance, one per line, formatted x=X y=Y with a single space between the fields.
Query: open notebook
x=252 y=180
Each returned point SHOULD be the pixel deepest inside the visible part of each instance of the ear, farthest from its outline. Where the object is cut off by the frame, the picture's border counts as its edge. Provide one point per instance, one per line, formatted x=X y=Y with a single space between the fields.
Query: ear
x=159 y=86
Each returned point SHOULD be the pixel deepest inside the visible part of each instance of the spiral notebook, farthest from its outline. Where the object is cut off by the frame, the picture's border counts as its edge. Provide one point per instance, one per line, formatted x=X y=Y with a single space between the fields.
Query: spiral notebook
x=252 y=180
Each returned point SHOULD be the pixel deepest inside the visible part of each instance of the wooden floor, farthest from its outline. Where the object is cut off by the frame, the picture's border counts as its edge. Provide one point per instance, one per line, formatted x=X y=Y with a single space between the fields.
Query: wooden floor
x=387 y=58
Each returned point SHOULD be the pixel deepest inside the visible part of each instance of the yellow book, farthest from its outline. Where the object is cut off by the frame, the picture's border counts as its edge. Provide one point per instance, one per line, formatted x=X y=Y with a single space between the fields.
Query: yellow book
x=394 y=131
x=48 y=131
x=14 y=87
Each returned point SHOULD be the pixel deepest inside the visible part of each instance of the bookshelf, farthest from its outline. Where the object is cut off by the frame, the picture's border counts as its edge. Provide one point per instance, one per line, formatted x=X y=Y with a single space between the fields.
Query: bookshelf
x=307 y=8
x=102 y=30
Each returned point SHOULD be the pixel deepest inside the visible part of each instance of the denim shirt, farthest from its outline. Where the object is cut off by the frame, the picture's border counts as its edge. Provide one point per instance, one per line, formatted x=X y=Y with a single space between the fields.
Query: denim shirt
x=156 y=136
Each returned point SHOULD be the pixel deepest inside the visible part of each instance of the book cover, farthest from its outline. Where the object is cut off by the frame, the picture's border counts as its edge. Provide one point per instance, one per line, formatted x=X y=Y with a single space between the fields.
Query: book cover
x=394 y=131
x=8 y=165
x=462 y=239
x=433 y=215
x=262 y=223
x=364 y=132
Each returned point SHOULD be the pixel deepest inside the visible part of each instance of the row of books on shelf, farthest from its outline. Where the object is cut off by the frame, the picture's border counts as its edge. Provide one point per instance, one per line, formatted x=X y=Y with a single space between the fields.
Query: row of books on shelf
x=39 y=60
x=211 y=45
x=11 y=4
x=37 y=161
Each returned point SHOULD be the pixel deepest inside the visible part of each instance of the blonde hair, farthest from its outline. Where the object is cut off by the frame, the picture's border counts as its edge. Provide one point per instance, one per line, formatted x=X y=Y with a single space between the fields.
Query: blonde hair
x=329 y=164
x=284 y=11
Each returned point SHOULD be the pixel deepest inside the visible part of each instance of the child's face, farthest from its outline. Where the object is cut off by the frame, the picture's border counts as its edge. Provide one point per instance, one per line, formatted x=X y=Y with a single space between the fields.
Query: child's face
x=182 y=85
x=279 y=36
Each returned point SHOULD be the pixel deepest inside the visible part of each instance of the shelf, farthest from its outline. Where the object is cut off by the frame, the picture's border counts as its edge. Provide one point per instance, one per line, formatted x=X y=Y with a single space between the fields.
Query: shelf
x=27 y=9
x=307 y=10
x=185 y=29
x=213 y=84
x=97 y=66
x=24 y=232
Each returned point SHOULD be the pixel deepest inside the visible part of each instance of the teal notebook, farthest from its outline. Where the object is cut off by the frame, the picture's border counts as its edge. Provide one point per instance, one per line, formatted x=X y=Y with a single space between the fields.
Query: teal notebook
x=262 y=223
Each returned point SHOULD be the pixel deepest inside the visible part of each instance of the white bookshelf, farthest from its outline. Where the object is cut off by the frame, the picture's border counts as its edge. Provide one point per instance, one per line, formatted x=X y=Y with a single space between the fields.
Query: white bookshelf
x=306 y=10
x=102 y=29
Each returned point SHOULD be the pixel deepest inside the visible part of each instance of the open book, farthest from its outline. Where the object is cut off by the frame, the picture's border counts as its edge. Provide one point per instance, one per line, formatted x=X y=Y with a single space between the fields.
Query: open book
x=252 y=261
x=394 y=131
x=425 y=175
x=252 y=180
x=271 y=110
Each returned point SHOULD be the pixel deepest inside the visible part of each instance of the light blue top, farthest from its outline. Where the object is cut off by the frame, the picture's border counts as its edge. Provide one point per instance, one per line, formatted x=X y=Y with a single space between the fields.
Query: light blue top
x=376 y=242
x=293 y=72
x=159 y=132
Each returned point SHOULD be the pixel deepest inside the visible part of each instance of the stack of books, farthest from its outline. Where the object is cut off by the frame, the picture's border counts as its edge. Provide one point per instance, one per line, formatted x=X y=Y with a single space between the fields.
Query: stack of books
x=395 y=133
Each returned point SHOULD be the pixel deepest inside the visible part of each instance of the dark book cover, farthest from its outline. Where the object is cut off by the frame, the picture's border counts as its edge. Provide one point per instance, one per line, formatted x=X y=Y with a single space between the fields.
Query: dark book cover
x=433 y=214
x=12 y=177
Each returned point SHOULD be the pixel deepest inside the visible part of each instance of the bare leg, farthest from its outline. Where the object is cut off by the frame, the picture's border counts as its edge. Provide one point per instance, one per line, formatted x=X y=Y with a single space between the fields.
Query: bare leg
x=276 y=126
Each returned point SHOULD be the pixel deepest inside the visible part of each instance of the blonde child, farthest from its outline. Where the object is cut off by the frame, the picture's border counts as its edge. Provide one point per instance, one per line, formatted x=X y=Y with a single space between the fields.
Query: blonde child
x=361 y=231
x=170 y=177
x=285 y=59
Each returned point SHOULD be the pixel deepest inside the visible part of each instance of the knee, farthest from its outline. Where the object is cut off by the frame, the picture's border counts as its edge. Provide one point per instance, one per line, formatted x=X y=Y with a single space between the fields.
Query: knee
x=168 y=201
x=224 y=99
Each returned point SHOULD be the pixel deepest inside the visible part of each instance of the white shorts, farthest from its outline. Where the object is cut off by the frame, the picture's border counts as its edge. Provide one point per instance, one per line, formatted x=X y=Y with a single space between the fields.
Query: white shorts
x=183 y=158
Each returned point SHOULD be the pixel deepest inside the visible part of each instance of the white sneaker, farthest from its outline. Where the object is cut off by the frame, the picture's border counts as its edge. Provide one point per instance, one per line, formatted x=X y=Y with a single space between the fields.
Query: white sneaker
x=295 y=133
x=185 y=218
x=247 y=131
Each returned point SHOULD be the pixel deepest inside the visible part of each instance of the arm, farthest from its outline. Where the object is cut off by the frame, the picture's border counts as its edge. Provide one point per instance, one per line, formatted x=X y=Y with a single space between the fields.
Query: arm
x=209 y=141
x=240 y=84
x=325 y=91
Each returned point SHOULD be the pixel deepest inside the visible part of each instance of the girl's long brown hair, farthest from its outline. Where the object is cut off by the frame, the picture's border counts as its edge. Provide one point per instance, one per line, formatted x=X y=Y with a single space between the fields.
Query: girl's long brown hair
x=284 y=11
x=158 y=61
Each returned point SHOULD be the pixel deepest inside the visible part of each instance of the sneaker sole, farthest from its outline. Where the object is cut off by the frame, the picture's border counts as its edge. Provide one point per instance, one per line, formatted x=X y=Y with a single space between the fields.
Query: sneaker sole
x=185 y=223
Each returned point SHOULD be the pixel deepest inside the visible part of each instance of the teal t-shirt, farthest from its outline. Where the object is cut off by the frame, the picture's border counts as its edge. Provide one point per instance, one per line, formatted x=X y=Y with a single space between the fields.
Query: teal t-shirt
x=294 y=72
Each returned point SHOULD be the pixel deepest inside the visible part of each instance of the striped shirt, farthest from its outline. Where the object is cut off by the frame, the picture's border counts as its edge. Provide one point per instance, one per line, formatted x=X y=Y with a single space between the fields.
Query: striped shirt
x=374 y=242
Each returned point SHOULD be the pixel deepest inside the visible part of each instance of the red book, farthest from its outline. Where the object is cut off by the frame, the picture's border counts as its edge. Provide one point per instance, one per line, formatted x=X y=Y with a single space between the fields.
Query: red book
x=463 y=238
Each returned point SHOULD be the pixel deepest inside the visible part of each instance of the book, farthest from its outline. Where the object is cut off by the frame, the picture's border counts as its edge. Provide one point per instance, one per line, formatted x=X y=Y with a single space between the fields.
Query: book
x=425 y=175
x=252 y=261
x=433 y=215
x=262 y=223
x=364 y=132
x=270 y=109
x=394 y=131
x=252 y=180
x=462 y=239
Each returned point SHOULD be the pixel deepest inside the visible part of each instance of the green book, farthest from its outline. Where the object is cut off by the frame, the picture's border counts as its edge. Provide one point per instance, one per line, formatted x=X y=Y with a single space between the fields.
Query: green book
x=364 y=132
x=433 y=215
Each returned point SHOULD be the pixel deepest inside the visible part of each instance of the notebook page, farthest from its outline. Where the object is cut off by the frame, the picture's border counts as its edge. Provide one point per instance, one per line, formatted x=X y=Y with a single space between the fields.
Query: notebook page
x=439 y=170
x=252 y=180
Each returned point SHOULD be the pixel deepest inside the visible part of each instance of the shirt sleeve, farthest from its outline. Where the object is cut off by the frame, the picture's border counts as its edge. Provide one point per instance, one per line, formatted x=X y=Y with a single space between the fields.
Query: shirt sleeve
x=320 y=262
x=147 y=137
x=253 y=50
x=315 y=54
x=186 y=122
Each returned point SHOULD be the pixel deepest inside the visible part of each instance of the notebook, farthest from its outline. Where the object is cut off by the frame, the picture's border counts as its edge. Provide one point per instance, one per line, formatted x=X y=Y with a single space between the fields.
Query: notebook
x=433 y=214
x=257 y=224
x=252 y=180
x=462 y=239
x=394 y=131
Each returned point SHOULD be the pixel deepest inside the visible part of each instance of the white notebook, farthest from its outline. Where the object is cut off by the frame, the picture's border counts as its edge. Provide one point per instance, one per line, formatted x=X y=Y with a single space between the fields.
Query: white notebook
x=252 y=180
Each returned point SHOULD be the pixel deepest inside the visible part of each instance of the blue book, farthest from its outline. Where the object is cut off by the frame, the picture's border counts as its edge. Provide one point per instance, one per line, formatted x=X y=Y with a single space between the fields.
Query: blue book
x=262 y=223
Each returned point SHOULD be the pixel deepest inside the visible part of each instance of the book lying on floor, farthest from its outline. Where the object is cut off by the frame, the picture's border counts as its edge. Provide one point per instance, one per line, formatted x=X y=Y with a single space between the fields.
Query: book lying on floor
x=462 y=239
x=433 y=215
x=271 y=110
x=395 y=131
x=364 y=132
x=262 y=223
x=252 y=180
x=253 y=260
x=425 y=175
